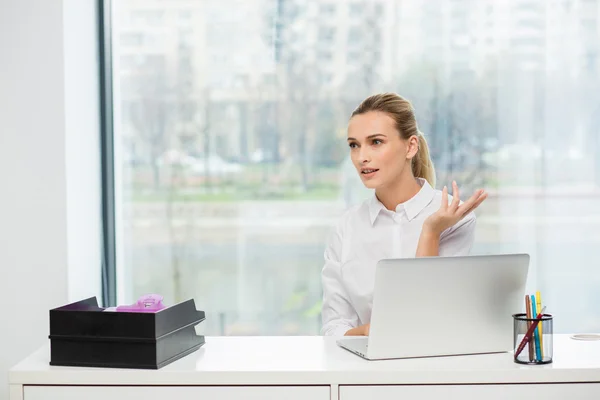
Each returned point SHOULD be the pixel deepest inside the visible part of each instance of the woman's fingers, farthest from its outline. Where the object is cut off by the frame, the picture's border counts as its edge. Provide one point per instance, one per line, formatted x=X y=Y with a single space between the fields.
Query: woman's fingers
x=478 y=197
x=455 y=197
x=444 y=198
x=466 y=207
x=480 y=200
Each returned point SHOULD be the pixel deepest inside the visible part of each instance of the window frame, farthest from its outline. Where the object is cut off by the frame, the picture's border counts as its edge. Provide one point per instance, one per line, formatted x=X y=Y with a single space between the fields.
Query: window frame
x=109 y=276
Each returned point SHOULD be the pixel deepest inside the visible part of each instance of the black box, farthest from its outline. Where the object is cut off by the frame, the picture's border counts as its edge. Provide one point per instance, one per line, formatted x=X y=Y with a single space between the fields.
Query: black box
x=83 y=334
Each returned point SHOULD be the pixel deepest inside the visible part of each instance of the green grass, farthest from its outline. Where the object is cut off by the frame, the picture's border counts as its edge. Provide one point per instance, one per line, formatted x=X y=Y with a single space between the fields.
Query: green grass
x=256 y=182
x=242 y=193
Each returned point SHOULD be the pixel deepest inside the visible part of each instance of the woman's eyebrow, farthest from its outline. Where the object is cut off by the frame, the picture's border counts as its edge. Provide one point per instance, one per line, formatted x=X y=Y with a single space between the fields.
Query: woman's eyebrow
x=370 y=136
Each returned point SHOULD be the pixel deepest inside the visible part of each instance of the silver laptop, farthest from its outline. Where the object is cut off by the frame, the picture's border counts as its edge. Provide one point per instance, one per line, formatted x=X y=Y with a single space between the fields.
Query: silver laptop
x=440 y=306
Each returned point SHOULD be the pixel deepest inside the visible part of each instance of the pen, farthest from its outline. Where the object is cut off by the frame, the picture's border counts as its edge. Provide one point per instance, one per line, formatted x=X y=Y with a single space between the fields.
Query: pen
x=529 y=316
x=532 y=342
x=538 y=299
x=529 y=334
x=536 y=336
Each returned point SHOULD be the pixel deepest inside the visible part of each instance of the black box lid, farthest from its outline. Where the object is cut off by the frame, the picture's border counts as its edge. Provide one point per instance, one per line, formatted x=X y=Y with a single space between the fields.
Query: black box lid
x=85 y=319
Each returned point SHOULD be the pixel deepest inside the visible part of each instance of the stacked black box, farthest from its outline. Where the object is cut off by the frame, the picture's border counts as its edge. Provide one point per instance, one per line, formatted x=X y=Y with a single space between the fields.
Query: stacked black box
x=83 y=334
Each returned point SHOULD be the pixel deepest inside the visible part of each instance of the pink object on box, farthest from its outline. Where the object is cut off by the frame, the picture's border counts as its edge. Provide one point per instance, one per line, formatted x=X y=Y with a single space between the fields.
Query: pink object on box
x=146 y=303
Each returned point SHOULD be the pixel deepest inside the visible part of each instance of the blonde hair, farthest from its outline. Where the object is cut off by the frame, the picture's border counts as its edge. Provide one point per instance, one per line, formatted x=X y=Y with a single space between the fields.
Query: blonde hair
x=402 y=112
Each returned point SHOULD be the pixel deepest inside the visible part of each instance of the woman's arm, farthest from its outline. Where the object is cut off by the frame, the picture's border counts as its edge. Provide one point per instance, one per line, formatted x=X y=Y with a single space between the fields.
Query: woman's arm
x=429 y=244
x=362 y=330
x=456 y=242
x=338 y=315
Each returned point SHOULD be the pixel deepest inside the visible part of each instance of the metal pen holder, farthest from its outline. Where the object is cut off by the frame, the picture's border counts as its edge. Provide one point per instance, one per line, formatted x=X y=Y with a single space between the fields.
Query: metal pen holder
x=536 y=348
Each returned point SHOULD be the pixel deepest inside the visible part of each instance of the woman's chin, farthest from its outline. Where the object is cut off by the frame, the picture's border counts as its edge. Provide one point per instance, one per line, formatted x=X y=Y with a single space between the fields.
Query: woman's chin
x=370 y=183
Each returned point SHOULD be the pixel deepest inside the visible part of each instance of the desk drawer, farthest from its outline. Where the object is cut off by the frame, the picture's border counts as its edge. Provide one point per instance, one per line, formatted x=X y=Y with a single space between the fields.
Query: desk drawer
x=555 y=391
x=177 y=392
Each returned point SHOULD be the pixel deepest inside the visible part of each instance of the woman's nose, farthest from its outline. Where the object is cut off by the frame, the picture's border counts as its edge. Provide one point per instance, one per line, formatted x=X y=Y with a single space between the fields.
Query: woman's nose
x=363 y=155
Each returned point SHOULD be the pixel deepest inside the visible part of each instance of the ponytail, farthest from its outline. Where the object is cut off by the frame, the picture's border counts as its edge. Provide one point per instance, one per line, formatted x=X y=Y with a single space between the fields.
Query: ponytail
x=422 y=166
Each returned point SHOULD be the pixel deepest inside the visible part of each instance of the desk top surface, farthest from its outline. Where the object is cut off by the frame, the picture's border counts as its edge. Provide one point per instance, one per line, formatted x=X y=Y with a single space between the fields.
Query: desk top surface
x=314 y=360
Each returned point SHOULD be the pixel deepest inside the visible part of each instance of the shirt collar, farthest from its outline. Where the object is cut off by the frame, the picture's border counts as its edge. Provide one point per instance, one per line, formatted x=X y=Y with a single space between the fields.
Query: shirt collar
x=413 y=206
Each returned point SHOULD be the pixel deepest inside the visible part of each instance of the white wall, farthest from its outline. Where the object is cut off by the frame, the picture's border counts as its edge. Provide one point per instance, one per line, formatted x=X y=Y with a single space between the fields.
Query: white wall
x=49 y=183
x=82 y=123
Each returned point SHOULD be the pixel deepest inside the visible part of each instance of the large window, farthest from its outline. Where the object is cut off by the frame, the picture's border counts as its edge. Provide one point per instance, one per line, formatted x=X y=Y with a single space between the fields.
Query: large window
x=231 y=165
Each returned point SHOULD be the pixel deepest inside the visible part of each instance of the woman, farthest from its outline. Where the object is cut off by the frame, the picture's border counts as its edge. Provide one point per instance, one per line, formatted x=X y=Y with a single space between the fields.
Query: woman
x=406 y=217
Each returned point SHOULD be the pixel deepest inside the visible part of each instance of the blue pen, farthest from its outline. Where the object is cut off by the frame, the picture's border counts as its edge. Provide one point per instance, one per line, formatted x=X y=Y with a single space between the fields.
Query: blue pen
x=536 y=332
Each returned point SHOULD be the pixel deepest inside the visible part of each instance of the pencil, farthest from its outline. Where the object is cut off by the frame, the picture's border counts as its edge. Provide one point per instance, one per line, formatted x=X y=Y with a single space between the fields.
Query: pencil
x=528 y=311
x=538 y=299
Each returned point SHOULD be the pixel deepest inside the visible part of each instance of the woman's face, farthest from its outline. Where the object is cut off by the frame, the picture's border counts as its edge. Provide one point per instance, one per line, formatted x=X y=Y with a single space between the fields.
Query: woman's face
x=378 y=152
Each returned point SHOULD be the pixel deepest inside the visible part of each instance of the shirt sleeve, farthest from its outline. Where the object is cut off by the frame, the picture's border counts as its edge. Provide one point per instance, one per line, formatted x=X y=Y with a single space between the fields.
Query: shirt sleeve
x=458 y=240
x=337 y=313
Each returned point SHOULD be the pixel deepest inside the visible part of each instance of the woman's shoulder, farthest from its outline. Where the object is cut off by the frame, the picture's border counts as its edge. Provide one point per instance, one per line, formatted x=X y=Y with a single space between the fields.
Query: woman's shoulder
x=354 y=214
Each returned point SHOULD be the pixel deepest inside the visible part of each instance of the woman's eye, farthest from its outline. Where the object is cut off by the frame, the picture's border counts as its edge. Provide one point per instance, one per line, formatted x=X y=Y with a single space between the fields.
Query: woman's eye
x=352 y=145
x=377 y=141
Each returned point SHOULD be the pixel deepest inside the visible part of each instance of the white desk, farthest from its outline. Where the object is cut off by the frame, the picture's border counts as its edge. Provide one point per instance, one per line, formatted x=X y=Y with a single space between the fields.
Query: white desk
x=315 y=368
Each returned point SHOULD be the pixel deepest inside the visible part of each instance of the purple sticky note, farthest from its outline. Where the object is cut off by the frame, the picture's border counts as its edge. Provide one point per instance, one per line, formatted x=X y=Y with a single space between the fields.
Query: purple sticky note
x=147 y=303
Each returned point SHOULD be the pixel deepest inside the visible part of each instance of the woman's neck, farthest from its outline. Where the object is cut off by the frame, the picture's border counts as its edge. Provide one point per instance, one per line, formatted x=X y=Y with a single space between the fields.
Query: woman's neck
x=404 y=190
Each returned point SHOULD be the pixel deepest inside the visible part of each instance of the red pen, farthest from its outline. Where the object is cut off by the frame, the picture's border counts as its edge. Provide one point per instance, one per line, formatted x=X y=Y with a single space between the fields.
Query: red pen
x=529 y=333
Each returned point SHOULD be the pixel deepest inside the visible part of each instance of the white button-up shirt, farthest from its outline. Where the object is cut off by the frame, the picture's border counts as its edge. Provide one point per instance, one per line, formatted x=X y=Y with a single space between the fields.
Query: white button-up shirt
x=368 y=233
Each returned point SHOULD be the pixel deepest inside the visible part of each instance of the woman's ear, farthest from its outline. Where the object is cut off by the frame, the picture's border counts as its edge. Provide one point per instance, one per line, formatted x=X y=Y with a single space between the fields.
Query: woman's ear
x=412 y=147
